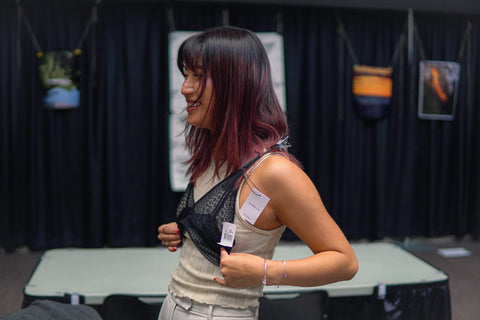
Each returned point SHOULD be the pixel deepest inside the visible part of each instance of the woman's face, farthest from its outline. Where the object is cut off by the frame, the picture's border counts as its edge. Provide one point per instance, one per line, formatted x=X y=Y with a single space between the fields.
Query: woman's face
x=198 y=103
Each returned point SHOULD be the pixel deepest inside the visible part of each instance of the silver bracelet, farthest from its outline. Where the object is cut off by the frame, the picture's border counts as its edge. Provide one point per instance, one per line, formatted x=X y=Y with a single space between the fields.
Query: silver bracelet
x=265 y=274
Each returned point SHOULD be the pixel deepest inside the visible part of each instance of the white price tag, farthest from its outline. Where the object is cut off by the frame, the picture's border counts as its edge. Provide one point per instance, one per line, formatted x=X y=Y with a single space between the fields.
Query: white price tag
x=254 y=205
x=228 y=235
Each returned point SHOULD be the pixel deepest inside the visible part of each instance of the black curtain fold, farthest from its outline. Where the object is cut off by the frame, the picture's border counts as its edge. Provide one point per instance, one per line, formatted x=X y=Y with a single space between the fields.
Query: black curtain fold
x=446 y=147
x=472 y=219
x=8 y=98
x=99 y=175
x=351 y=150
x=51 y=155
x=133 y=90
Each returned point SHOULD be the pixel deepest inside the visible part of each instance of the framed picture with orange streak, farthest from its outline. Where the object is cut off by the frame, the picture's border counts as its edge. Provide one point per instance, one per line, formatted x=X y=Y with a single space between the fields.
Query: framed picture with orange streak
x=438 y=89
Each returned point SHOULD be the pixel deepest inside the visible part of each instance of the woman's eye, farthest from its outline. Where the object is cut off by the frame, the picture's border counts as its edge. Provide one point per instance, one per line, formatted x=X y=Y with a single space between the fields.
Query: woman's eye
x=193 y=75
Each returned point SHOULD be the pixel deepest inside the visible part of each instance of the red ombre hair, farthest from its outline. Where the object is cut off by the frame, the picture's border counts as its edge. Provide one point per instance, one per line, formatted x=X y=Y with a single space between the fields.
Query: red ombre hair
x=245 y=112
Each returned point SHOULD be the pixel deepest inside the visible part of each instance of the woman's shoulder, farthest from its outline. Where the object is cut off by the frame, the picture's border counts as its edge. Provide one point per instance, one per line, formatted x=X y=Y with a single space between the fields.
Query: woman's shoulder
x=275 y=161
x=278 y=169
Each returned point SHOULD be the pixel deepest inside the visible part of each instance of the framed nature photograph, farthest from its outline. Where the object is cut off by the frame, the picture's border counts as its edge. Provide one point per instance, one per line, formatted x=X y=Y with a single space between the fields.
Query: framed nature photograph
x=438 y=86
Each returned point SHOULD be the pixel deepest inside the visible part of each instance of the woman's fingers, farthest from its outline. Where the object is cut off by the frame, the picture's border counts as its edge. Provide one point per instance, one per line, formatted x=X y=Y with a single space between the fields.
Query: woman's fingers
x=169 y=235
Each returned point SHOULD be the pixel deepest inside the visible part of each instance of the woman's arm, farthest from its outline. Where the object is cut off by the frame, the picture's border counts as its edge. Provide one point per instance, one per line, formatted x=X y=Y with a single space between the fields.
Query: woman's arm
x=294 y=202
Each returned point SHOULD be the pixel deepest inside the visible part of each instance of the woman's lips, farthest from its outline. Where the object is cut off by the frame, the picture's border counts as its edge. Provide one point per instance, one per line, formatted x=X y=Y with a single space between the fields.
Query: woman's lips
x=192 y=106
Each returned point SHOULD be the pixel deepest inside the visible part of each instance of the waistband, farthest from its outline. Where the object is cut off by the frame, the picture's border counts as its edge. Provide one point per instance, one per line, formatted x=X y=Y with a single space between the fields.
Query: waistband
x=213 y=310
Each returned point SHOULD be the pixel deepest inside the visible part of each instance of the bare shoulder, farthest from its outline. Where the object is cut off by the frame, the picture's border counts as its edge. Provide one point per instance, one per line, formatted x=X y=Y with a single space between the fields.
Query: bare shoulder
x=277 y=165
x=278 y=174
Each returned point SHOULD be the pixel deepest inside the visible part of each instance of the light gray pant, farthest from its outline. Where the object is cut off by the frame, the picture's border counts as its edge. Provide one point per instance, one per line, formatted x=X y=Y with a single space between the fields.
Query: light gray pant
x=176 y=308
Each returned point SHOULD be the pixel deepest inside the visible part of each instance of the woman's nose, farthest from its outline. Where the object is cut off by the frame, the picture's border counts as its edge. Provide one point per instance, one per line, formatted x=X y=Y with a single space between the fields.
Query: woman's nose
x=187 y=87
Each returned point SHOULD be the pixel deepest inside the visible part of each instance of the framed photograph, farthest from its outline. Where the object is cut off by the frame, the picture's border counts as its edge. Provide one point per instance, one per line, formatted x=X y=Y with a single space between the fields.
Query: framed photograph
x=438 y=86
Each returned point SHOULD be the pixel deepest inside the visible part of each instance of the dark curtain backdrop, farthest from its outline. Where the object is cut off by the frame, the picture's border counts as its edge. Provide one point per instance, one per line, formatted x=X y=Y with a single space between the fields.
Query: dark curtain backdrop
x=98 y=175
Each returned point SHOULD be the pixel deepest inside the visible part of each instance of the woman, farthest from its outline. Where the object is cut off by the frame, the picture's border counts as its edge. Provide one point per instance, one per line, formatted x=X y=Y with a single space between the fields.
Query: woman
x=240 y=173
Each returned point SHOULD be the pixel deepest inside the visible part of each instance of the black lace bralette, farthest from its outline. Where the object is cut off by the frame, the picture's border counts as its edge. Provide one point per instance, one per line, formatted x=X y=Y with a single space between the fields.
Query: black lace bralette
x=203 y=220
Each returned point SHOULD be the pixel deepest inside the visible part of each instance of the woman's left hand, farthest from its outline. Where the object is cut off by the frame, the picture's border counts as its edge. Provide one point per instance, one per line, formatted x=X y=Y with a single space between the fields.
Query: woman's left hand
x=240 y=270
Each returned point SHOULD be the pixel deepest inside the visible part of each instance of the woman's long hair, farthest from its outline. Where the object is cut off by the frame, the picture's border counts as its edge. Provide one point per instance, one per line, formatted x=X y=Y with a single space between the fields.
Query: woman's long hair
x=246 y=115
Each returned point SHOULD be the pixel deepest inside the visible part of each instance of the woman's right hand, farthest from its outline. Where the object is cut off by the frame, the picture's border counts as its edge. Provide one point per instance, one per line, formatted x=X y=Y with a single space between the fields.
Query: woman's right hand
x=169 y=235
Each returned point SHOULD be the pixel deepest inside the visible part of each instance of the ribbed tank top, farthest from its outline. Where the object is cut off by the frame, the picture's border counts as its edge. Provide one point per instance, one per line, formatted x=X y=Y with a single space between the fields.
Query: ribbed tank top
x=193 y=278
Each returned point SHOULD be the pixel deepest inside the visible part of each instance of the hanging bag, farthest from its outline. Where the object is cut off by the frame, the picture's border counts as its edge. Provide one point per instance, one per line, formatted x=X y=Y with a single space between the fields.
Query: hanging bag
x=372 y=89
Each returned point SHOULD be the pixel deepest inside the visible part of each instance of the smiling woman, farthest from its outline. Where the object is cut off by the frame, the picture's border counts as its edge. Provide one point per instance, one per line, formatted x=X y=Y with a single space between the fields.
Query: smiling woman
x=245 y=188
x=241 y=98
x=199 y=99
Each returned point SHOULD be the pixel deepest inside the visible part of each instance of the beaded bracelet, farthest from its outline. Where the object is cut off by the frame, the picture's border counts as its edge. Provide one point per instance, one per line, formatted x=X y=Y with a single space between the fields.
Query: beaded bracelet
x=284 y=273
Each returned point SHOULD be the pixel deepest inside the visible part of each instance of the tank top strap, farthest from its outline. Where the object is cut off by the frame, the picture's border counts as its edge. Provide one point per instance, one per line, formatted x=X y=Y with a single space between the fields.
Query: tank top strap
x=263 y=158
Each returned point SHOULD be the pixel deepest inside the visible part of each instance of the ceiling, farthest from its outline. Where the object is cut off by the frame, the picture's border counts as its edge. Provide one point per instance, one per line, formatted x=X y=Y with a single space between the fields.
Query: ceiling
x=471 y=7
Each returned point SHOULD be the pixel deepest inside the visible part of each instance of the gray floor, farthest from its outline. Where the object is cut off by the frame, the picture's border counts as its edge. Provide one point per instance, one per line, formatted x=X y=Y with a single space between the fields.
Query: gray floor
x=464 y=274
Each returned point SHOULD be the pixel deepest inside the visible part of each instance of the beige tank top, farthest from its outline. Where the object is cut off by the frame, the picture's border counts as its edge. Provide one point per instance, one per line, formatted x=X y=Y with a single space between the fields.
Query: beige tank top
x=193 y=278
